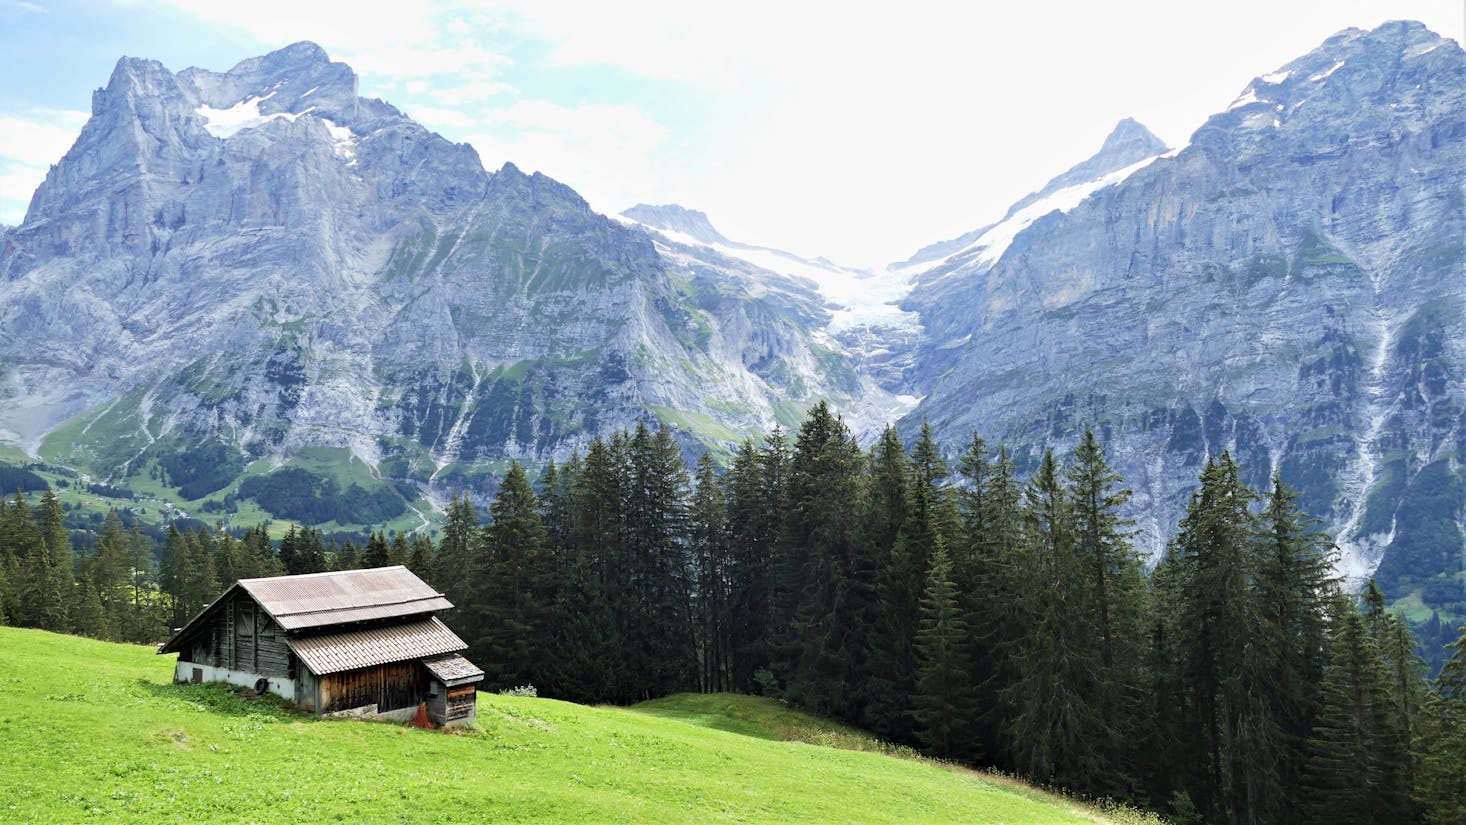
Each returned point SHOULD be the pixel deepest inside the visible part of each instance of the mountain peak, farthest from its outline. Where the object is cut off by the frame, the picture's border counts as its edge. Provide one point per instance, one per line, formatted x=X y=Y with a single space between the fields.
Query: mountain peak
x=675 y=218
x=297 y=78
x=1127 y=144
x=1132 y=139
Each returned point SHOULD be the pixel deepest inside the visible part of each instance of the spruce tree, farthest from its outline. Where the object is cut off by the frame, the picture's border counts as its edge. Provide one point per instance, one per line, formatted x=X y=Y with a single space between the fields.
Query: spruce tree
x=1227 y=713
x=455 y=558
x=511 y=592
x=708 y=523
x=943 y=709
x=601 y=577
x=1440 y=780
x=1294 y=586
x=376 y=550
x=750 y=562
x=1114 y=602
x=661 y=635
x=828 y=576
x=1354 y=769
x=901 y=576
x=1054 y=729
x=399 y=552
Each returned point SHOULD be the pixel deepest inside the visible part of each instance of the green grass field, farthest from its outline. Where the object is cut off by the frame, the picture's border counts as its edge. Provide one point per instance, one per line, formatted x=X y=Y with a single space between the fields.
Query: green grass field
x=95 y=732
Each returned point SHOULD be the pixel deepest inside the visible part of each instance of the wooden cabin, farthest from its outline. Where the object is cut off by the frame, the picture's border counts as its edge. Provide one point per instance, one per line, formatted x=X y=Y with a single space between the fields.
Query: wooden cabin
x=365 y=642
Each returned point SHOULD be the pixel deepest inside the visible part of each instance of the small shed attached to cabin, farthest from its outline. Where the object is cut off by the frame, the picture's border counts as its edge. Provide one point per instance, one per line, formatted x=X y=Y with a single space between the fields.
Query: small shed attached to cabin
x=353 y=640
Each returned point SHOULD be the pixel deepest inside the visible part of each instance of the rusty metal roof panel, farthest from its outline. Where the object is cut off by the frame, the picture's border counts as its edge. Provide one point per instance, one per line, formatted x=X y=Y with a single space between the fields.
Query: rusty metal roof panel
x=454 y=670
x=335 y=652
x=318 y=599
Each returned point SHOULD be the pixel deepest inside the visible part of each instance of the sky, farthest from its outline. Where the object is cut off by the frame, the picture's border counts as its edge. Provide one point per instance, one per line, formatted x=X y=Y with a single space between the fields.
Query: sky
x=859 y=132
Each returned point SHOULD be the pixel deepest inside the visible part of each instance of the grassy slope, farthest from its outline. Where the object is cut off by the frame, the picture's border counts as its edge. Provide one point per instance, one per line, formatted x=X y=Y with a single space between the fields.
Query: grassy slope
x=94 y=731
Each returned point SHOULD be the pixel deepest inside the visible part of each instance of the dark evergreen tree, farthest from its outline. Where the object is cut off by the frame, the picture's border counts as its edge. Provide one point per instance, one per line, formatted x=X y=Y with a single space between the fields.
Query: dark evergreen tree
x=827 y=575
x=943 y=701
x=986 y=567
x=708 y=523
x=901 y=576
x=1113 y=607
x=1052 y=730
x=660 y=637
x=399 y=552
x=1440 y=780
x=510 y=598
x=600 y=579
x=346 y=557
x=47 y=577
x=456 y=557
x=376 y=550
x=1354 y=771
x=1294 y=586
x=1230 y=725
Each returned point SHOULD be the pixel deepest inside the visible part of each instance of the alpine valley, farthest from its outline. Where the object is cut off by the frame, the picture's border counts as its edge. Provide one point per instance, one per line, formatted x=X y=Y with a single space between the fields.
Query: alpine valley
x=237 y=287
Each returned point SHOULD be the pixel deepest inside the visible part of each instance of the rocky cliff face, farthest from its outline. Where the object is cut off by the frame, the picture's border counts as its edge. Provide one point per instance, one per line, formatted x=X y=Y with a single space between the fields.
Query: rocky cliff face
x=260 y=267
x=260 y=259
x=1290 y=286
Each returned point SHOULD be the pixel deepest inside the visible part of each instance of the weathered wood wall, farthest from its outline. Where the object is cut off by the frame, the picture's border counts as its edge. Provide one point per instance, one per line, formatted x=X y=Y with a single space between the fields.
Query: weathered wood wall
x=240 y=636
x=390 y=686
x=461 y=702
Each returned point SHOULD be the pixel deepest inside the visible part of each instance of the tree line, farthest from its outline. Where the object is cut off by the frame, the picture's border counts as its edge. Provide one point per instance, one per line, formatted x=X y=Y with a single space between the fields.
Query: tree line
x=981 y=617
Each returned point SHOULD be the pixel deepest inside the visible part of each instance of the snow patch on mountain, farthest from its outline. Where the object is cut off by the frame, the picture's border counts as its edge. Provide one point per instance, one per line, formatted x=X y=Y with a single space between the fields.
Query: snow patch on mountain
x=857 y=298
x=246 y=114
x=990 y=246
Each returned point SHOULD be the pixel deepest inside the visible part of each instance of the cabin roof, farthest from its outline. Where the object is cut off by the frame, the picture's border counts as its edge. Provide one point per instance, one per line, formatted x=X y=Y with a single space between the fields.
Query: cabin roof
x=335 y=652
x=453 y=670
x=319 y=600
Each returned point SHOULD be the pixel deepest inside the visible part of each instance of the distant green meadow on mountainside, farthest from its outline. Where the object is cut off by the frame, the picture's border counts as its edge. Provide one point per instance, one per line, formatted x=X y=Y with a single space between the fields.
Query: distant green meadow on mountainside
x=95 y=732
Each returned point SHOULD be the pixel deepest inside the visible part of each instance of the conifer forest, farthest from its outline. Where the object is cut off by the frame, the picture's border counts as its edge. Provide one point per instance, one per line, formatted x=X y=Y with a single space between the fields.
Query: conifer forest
x=939 y=602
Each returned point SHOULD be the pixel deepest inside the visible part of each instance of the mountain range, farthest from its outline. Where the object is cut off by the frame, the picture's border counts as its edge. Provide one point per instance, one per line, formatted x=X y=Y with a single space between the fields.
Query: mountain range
x=241 y=288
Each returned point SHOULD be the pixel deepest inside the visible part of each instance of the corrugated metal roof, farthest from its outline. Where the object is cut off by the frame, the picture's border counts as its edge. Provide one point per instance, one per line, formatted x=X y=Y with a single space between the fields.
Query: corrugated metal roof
x=317 y=599
x=335 y=652
x=453 y=670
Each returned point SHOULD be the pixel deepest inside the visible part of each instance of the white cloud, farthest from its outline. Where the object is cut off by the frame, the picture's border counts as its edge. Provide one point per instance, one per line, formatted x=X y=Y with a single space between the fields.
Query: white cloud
x=856 y=131
x=32 y=143
x=606 y=152
x=441 y=119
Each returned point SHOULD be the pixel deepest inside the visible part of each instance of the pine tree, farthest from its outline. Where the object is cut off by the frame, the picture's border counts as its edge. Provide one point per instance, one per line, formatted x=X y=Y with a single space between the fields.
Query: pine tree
x=423 y=556
x=376 y=550
x=660 y=637
x=600 y=573
x=943 y=709
x=1054 y=722
x=456 y=553
x=399 y=552
x=109 y=569
x=511 y=593
x=346 y=557
x=827 y=577
x=46 y=580
x=58 y=580
x=708 y=525
x=1294 y=586
x=1353 y=772
x=1440 y=780
x=1113 y=602
x=201 y=582
x=173 y=573
x=901 y=575
x=987 y=568
x=1225 y=710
